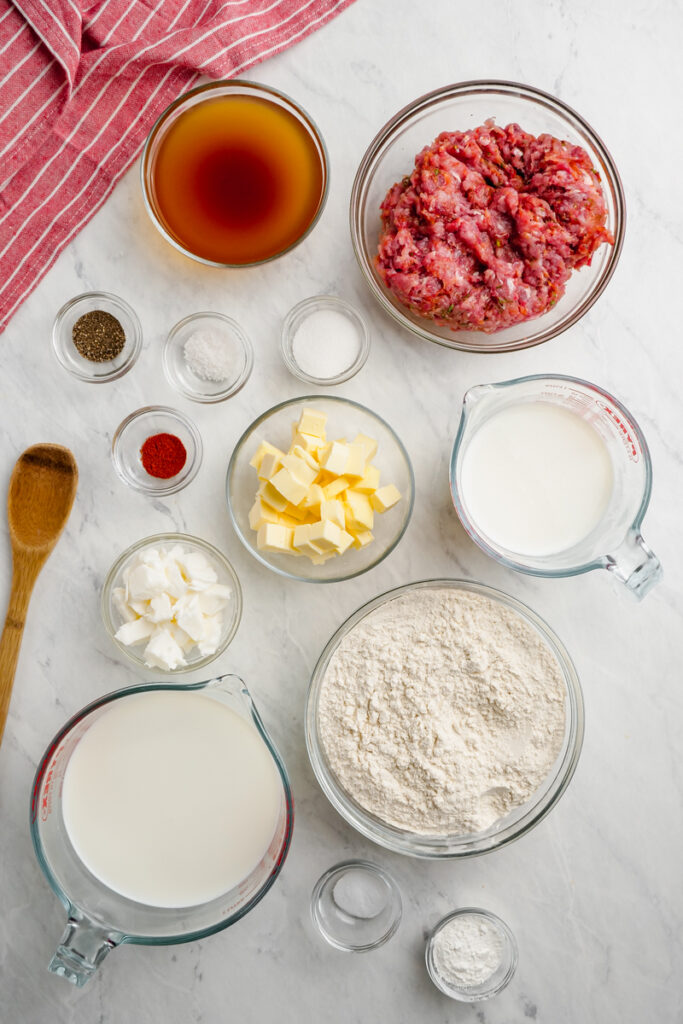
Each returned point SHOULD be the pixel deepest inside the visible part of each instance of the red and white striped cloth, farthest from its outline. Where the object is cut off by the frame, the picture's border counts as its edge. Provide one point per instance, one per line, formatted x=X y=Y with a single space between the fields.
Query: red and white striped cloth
x=81 y=84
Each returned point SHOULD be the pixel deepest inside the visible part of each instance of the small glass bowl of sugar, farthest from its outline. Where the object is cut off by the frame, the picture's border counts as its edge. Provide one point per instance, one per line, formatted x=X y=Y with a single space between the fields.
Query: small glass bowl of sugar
x=207 y=357
x=471 y=955
x=356 y=906
x=324 y=341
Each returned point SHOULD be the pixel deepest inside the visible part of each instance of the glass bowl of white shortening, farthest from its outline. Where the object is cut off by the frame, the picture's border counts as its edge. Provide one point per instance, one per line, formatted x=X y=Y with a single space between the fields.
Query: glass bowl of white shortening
x=503 y=831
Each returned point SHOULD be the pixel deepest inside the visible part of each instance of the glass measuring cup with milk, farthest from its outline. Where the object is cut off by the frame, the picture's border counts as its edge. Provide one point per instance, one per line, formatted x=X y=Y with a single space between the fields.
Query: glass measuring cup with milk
x=160 y=814
x=552 y=476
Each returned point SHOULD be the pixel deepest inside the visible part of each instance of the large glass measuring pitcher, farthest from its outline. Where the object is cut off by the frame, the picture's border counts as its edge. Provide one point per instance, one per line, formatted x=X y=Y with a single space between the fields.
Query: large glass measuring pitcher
x=615 y=543
x=100 y=918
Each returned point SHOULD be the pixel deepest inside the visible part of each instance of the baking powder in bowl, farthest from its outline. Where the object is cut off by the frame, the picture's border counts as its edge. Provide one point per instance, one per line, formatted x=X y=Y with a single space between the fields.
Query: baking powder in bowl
x=442 y=711
x=467 y=950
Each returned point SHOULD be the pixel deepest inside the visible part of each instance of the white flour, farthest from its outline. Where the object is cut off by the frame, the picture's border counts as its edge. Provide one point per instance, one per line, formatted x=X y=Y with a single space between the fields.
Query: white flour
x=442 y=711
x=467 y=951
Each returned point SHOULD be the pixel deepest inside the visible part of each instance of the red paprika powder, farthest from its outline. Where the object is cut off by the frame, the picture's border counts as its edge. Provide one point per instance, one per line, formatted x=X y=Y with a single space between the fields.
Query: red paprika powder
x=163 y=455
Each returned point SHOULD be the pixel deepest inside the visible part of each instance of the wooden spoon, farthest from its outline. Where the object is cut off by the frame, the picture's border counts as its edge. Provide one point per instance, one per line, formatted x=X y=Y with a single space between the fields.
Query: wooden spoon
x=41 y=492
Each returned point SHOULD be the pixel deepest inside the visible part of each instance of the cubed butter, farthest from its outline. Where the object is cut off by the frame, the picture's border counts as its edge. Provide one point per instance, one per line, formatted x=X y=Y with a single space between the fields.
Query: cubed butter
x=369 y=444
x=362 y=539
x=345 y=542
x=309 y=442
x=296 y=514
x=324 y=535
x=300 y=470
x=270 y=463
x=314 y=498
x=355 y=467
x=272 y=537
x=336 y=487
x=289 y=487
x=263 y=449
x=302 y=542
x=370 y=481
x=271 y=497
x=312 y=422
x=334 y=457
x=385 y=497
x=334 y=511
x=359 y=514
x=302 y=453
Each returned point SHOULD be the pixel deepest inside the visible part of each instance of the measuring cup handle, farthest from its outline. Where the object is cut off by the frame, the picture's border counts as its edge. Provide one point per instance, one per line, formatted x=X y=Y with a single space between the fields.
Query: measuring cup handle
x=635 y=565
x=82 y=949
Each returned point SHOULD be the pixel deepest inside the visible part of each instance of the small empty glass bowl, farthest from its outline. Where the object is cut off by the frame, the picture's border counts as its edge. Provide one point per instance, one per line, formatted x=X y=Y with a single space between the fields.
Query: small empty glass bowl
x=491 y=985
x=345 y=419
x=459 y=107
x=356 y=906
x=296 y=317
x=69 y=356
x=226 y=575
x=178 y=371
x=132 y=434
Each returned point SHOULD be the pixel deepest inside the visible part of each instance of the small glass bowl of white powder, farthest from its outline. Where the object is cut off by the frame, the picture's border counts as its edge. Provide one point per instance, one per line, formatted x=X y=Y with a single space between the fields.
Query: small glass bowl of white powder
x=207 y=357
x=324 y=340
x=356 y=906
x=471 y=955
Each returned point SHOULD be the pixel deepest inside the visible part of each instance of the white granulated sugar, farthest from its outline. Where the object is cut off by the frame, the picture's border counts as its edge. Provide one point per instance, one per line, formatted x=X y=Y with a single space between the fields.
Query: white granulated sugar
x=211 y=354
x=442 y=711
x=467 y=951
x=325 y=344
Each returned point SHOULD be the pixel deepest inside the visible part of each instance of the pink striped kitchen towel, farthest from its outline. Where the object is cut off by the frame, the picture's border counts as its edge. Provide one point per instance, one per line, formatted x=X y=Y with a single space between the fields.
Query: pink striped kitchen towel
x=81 y=84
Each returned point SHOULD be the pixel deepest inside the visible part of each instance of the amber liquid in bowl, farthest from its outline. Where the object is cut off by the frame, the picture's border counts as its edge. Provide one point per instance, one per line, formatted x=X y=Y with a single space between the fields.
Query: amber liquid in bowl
x=237 y=179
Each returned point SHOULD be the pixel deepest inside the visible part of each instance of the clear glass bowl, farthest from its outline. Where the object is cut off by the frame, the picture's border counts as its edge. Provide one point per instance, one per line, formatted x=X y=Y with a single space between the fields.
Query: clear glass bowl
x=69 y=356
x=345 y=419
x=515 y=824
x=226 y=575
x=235 y=87
x=180 y=376
x=132 y=434
x=295 y=318
x=351 y=928
x=391 y=155
x=501 y=976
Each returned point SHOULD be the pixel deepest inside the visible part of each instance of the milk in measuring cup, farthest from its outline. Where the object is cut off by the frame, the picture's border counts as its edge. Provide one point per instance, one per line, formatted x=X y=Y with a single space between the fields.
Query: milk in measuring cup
x=171 y=798
x=536 y=478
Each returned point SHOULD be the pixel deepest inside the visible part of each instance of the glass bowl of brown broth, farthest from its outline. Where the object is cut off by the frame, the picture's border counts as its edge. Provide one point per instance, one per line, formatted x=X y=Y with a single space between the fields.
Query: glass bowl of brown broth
x=234 y=174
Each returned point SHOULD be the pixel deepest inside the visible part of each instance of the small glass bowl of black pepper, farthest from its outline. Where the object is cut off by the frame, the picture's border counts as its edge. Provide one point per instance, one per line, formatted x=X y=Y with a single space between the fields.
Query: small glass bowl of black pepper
x=172 y=450
x=97 y=337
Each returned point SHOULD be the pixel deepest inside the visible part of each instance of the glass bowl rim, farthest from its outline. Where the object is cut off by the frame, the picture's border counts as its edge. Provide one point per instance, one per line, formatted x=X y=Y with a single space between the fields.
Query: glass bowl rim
x=443 y=847
x=175 y=538
x=297 y=401
x=219 y=396
x=463 y=995
x=228 y=84
x=375 y=869
x=524 y=93
x=286 y=340
x=136 y=341
x=172 y=413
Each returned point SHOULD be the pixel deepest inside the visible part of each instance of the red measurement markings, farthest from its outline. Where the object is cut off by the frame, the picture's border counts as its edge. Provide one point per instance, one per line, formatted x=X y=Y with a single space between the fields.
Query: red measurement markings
x=624 y=432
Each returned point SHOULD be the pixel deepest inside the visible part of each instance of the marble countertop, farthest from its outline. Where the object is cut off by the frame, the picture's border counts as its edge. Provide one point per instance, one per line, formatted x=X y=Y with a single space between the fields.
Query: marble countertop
x=593 y=894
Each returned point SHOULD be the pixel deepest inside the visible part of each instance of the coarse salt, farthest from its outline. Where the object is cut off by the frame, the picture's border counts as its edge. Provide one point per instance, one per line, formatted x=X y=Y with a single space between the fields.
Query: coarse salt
x=325 y=344
x=211 y=354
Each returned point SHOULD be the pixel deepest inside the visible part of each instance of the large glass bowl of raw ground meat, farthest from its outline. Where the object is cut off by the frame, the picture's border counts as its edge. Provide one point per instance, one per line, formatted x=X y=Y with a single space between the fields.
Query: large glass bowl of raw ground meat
x=487 y=216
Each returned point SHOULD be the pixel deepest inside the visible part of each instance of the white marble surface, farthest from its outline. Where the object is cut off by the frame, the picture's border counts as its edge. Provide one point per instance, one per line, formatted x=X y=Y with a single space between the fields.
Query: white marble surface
x=594 y=894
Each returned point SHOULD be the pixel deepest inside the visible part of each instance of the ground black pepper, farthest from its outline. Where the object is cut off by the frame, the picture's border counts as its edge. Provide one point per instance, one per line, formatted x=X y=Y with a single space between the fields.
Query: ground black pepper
x=98 y=336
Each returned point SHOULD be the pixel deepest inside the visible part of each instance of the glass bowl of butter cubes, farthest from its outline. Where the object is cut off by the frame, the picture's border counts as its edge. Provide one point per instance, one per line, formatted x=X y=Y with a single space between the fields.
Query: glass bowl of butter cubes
x=172 y=603
x=320 y=489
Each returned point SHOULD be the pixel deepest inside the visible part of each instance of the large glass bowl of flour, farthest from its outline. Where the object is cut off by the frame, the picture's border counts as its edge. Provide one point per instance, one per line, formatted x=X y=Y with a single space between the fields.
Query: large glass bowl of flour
x=353 y=801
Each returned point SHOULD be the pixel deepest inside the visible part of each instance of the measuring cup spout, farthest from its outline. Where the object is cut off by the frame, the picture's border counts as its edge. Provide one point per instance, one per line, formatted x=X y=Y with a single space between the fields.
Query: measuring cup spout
x=635 y=565
x=82 y=949
x=230 y=684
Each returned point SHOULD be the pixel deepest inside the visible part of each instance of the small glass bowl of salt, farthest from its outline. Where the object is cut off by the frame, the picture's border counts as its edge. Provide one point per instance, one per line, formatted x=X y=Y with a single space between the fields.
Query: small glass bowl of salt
x=471 y=955
x=356 y=906
x=207 y=357
x=324 y=340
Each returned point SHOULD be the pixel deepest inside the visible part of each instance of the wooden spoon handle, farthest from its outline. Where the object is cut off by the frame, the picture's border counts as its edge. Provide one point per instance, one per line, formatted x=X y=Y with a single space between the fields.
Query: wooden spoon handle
x=24 y=576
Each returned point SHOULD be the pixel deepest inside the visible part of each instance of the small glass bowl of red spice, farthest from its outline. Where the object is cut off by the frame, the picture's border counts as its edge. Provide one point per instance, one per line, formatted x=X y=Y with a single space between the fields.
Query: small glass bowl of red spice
x=97 y=337
x=157 y=450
